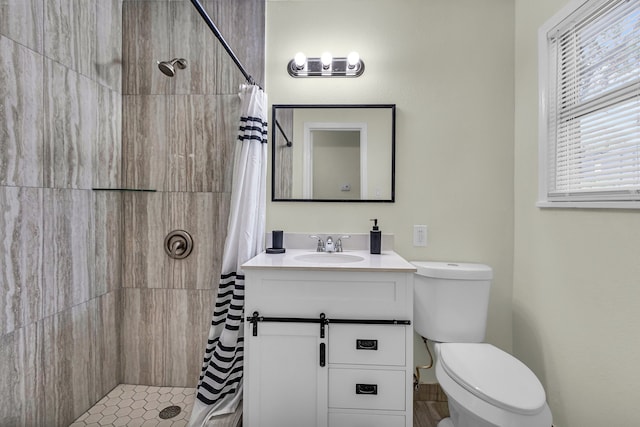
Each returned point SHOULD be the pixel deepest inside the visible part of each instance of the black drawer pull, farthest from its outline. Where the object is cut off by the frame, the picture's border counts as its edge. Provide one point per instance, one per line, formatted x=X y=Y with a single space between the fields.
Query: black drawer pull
x=366 y=388
x=323 y=354
x=366 y=344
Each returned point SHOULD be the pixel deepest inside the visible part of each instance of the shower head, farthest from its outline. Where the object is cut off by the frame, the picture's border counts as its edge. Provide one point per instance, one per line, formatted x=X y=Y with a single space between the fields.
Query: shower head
x=169 y=67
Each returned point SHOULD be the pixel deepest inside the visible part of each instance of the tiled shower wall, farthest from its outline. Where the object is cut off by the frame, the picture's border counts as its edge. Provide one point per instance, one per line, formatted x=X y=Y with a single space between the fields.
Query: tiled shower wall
x=60 y=268
x=283 y=175
x=88 y=298
x=178 y=140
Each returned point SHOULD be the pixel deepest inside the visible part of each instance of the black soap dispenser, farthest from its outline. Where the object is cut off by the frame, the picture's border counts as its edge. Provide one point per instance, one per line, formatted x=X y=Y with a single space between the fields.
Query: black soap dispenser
x=375 y=238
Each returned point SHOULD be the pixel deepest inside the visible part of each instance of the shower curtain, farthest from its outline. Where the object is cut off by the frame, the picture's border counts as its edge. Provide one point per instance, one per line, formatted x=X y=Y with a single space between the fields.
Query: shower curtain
x=220 y=387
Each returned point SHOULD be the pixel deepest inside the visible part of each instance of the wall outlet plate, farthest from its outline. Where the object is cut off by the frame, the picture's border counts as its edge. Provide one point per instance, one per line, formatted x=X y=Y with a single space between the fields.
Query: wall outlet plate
x=419 y=235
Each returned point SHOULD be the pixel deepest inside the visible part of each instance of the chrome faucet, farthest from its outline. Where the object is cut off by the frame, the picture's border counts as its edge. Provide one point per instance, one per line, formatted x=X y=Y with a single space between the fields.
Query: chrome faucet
x=339 y=243
x=320 y=247
x=329 y=246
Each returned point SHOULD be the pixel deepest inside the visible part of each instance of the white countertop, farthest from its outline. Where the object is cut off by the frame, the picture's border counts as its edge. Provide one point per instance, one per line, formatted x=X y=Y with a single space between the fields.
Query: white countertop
x=386 y=261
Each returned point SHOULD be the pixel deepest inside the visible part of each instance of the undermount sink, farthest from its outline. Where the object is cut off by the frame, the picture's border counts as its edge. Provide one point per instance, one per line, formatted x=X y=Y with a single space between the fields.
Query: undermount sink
x=328 y=258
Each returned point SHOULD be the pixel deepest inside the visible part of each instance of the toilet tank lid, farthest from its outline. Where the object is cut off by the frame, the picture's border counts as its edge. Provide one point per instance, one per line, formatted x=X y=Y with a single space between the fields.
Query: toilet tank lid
x=453 y=270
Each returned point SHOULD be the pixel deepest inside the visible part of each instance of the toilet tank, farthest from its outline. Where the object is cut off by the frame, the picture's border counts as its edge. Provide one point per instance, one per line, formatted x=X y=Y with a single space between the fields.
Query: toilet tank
x=451 y=301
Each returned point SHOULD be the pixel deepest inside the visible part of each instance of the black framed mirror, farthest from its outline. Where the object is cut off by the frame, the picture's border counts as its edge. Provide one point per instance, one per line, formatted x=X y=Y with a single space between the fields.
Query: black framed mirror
x=333 y=153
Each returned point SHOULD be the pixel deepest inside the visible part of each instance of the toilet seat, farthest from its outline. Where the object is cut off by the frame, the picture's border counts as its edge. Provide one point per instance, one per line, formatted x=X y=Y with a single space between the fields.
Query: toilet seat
x=493 y=376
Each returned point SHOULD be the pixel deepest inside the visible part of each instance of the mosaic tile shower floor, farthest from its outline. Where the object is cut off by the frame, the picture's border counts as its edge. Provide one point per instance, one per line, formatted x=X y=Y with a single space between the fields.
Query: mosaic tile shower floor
x=139 y=406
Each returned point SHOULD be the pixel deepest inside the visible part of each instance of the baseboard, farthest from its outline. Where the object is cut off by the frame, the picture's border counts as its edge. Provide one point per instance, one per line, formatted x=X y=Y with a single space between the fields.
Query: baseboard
x=429 y=392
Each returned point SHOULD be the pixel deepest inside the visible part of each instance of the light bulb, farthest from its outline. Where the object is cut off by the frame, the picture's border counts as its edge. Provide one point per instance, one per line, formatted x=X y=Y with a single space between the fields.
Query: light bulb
x=326 y=59
x=300 y=59
x=352 y=59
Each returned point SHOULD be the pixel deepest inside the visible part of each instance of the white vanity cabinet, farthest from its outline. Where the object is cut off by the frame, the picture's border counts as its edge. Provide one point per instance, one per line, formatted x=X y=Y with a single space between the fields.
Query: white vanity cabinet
x=328 y=346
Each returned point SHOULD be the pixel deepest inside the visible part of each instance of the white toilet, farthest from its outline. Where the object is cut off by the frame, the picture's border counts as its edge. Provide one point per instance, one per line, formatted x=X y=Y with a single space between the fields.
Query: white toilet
x=485 y=386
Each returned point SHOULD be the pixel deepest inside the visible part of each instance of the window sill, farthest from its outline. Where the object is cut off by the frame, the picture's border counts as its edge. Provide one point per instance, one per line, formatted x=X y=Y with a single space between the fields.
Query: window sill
x=588 y=205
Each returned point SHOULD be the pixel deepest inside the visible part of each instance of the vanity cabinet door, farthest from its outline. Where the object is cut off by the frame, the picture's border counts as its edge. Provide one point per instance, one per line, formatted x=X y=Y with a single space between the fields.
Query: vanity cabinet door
x=285 y=386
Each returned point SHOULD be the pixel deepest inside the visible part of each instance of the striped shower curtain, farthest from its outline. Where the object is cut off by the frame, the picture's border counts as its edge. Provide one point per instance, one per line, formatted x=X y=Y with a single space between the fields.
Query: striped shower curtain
x=220 y=388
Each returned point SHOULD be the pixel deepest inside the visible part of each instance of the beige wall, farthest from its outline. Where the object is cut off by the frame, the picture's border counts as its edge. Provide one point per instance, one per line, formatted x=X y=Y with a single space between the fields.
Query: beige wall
x=448 y=66
x=576 y=294
x=575 y=273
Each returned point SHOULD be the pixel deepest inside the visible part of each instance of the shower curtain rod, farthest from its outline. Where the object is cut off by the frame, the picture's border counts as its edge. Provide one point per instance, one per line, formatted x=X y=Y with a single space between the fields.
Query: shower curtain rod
x=216 y=32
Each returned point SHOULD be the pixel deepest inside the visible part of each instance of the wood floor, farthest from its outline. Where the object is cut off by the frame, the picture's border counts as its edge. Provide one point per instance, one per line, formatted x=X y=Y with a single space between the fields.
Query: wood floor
x=428 y=413
x=429 y=405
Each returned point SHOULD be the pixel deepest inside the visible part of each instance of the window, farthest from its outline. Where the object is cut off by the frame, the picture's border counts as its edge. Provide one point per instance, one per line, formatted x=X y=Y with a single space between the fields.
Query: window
x=589 y=58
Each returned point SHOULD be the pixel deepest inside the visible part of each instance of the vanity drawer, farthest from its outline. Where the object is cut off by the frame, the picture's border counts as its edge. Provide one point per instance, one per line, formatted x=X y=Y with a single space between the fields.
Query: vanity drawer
x=367 y=344
x=337 y=294
x=365 y=420
x=367 y=389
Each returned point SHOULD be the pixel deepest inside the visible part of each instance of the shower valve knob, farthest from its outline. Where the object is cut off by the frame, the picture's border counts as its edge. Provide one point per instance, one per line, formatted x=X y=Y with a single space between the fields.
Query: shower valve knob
x=178 y=244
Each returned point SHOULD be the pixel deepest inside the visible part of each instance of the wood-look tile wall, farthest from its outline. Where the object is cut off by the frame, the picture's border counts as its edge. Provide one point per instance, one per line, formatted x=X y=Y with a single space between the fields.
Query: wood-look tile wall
x=163 y=334
x=178 y=140
x=283 y=174
x=60 y=267
x=159 y=30
x=83 y=106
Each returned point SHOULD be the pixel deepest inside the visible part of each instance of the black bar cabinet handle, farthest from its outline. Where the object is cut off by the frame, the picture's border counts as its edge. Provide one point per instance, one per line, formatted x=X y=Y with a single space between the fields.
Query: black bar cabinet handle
x=366 y=344
x=323 y=354
x=366 y=388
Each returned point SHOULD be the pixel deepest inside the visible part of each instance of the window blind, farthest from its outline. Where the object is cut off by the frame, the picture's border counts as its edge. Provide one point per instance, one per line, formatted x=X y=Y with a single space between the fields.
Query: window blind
x=594 y=104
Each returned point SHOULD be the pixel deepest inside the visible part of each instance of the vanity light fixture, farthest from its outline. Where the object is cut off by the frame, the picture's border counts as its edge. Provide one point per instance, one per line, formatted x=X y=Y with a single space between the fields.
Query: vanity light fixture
x=352 y=60
x=326 y=66
x=326 y=60
x=299 y=60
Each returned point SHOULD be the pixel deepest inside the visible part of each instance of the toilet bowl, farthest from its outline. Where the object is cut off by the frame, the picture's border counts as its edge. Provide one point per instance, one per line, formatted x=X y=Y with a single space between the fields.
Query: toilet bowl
x=485 y=386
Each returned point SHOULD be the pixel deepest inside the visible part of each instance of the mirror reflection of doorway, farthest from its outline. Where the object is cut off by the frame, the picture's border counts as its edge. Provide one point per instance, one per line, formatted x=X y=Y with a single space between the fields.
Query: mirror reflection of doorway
x=336 y=164
x=334 y=161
